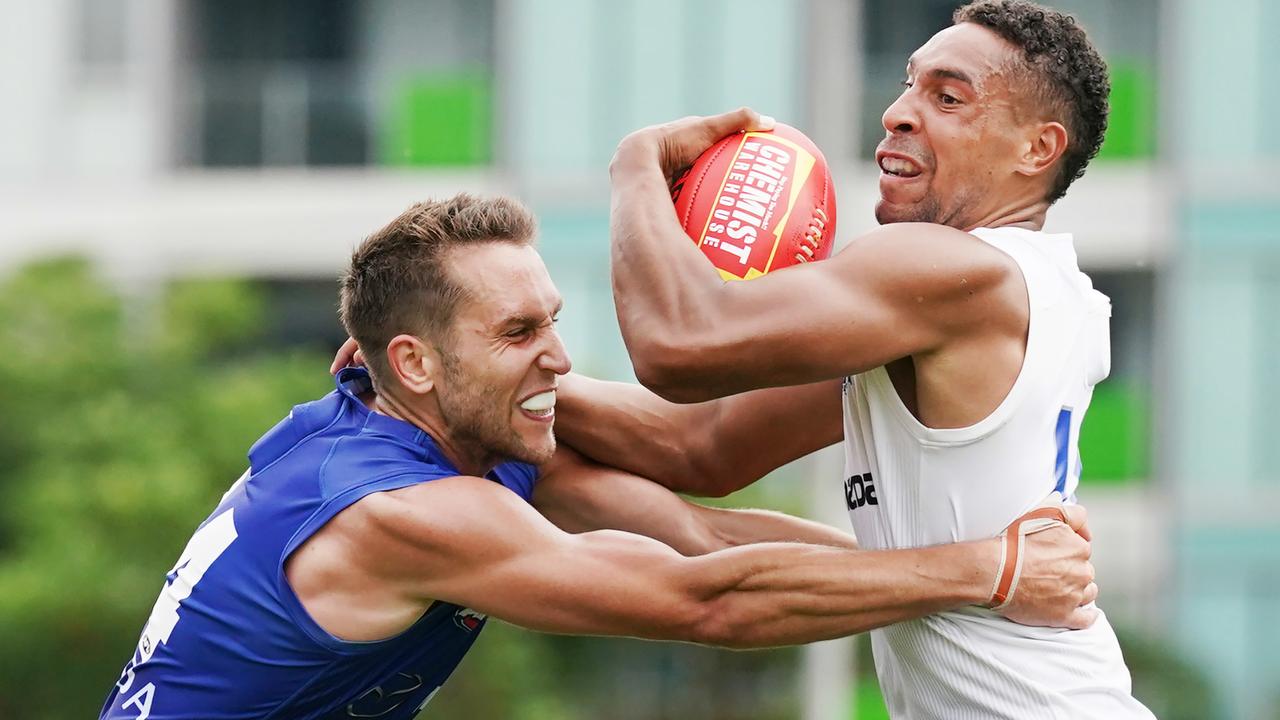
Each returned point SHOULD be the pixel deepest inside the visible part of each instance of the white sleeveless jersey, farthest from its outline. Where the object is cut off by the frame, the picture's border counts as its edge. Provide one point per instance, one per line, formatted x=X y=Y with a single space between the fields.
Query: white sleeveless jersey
x=910 y=486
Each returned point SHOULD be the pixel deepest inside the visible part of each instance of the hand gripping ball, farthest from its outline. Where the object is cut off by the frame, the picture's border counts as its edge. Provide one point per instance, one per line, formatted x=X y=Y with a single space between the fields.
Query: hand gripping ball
x=759 y=201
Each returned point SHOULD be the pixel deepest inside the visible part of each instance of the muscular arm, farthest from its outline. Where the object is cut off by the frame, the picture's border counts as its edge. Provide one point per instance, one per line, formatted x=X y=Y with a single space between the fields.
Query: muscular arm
x=902 y=290
x=711 y=448
x=471 y=542
x=578 y=496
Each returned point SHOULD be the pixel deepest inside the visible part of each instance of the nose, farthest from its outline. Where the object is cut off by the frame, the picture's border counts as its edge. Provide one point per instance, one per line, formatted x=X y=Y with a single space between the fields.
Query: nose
x=555 y=357
x=901 y=117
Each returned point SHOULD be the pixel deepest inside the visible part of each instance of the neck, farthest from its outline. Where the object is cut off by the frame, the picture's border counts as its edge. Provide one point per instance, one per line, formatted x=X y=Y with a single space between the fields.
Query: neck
x=468 y=463
x=1028 y=214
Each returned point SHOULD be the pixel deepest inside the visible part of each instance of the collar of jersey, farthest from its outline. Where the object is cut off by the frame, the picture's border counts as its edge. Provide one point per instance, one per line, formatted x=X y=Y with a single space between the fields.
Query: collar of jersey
x=354 y=381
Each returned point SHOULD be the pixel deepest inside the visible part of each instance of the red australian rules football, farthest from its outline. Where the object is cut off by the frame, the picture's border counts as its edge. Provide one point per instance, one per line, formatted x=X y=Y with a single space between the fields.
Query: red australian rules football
x=759 y=201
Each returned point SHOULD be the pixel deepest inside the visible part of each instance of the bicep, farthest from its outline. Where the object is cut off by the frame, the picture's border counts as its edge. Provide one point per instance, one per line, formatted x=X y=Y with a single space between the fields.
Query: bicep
x=899 y=291
x=816 y=322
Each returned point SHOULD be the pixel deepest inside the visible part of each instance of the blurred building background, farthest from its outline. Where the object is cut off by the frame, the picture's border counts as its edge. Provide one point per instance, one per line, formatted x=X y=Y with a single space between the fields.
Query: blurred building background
x=181 y=181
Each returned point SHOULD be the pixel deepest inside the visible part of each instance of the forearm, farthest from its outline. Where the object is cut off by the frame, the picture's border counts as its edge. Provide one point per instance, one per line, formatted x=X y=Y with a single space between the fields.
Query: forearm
x=726 y=528
x=628 y=427
x=579 y=496
x=664 y=289
x=789 y=594
x=754 y=596
x=711 y=448
x=511 y=563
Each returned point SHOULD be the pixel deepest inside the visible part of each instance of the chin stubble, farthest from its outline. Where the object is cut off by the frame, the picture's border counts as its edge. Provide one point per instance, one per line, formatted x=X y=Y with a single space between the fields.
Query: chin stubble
x=474 y=421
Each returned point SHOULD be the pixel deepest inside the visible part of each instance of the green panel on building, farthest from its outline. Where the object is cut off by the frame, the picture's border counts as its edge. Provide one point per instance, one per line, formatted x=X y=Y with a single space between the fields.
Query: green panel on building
x=440 y=120
x=1131 y=126
x=1115 y=438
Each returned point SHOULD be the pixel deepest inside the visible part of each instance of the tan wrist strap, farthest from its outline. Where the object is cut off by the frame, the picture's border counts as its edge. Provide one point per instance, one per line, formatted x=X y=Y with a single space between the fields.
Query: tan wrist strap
x=1011 y=551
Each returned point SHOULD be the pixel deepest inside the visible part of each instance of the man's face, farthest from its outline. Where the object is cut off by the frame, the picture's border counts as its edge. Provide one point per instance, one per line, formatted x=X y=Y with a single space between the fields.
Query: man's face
x=952 y=140
x=503 y=355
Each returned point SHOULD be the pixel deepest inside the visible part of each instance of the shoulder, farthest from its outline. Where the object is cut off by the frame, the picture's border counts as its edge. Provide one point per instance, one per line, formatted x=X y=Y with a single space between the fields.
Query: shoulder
x=930 y=252
x=303 y=422
x=439 y=514
x=364 y=461
x=955 y=277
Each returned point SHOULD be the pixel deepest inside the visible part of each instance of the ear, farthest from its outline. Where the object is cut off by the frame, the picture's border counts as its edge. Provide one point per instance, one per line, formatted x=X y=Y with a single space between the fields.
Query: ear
x=413 y=363
x=1044 y=144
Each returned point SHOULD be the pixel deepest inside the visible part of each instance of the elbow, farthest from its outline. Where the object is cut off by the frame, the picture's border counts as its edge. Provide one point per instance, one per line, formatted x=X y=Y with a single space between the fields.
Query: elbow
x=680 y=353
x=712 y=484
x=668 y=387
x=718 y=624
x=697 y=483
x=713 y=466
x=712 y=610
x=702 y=464
x=674 y=370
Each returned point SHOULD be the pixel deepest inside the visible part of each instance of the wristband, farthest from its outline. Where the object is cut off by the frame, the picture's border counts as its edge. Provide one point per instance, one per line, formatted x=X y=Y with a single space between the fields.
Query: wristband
x=1011 y=552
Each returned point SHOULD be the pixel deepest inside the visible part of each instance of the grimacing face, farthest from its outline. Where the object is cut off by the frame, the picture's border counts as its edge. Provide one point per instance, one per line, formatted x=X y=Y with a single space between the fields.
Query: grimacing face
x=952 y=136
x=504 y=356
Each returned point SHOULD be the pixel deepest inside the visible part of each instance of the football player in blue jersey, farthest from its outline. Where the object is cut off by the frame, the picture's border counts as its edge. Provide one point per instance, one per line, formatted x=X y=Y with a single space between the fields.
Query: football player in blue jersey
x=351 y=567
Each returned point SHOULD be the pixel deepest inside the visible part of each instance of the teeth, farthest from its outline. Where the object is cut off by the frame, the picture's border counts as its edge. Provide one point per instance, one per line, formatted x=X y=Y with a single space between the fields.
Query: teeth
x=897 y=166
x=542 y=402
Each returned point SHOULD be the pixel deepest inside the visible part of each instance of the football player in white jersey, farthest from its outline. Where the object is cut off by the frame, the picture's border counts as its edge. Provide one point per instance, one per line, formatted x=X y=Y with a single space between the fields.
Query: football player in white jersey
x=954 y=349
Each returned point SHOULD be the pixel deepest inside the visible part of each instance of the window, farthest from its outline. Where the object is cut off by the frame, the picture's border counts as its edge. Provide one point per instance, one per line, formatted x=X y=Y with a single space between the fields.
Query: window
x=338 y=82
x=101 y=27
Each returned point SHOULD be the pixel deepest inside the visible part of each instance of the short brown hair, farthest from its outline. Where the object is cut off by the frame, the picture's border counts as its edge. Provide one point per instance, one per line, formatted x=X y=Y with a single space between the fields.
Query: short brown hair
x=1067 y=75
x=399 y=282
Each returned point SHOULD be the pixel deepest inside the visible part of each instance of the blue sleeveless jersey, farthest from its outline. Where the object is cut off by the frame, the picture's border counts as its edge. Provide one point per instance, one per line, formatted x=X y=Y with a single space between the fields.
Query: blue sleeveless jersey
x=229 y=639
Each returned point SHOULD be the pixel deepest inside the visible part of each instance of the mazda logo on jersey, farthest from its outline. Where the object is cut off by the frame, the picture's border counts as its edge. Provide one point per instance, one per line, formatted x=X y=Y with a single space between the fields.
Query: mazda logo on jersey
x=859 y=490
x=469 y=619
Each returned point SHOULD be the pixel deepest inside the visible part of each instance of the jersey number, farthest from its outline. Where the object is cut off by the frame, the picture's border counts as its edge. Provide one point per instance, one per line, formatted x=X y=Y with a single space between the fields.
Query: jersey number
x=206 y=545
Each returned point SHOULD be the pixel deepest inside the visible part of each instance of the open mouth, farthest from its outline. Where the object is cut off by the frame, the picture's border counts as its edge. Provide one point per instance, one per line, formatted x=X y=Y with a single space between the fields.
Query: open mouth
x=541 y=406
x=899 y=167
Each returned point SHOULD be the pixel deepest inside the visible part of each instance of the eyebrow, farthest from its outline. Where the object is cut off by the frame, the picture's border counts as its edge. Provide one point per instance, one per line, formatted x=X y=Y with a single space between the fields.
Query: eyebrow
x=944 y=73
x=523 y=320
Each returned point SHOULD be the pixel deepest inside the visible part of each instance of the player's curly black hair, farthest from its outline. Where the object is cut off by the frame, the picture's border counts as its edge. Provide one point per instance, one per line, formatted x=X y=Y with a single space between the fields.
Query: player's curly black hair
x=1067 y=72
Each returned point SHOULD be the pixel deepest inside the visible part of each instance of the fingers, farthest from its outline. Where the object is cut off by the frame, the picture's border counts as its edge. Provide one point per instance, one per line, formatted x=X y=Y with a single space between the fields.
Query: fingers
x=1078 y=520
x=1090 y=593
x=1082 y=618
x=743 y=119
x=679 y=142
x=348 y=354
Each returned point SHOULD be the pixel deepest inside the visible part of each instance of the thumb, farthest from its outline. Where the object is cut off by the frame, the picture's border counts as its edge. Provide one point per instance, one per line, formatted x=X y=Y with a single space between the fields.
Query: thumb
x=1082 y=618
x=1078 y=520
